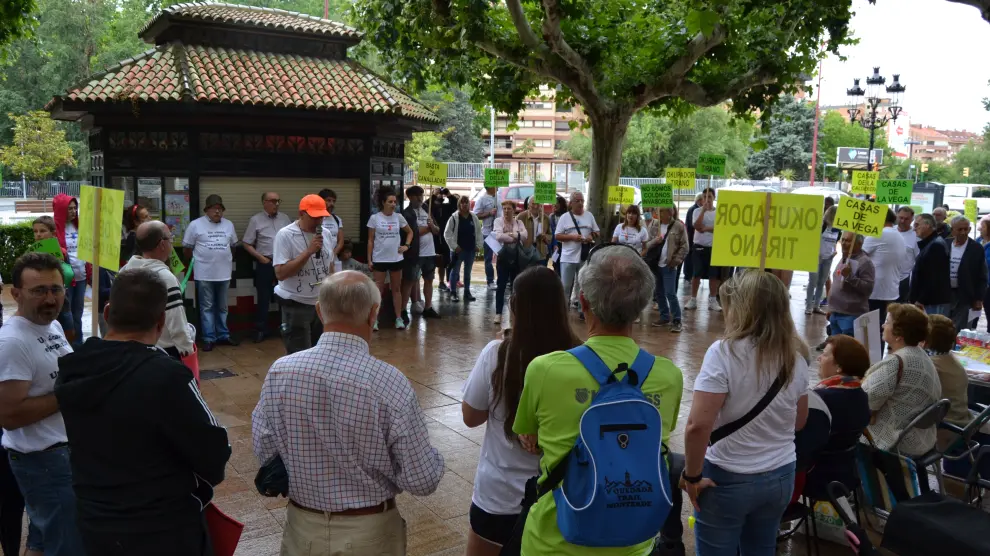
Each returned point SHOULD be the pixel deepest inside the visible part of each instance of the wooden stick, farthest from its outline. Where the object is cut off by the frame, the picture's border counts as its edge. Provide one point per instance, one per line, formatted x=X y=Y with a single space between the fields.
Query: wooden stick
x=95 y=296
x=766 y=231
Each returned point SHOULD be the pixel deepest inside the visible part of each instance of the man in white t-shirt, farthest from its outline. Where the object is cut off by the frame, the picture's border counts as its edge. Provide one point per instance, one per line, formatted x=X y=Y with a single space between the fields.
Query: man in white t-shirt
x=302 y=260
x=887 y=253
x=426 y=262
x=211 y=240
x=259 y=242
x=487 y=209
x=704 y=235
x=905 y=227
x=575 y=229
x=333 y=228
x=33 y=432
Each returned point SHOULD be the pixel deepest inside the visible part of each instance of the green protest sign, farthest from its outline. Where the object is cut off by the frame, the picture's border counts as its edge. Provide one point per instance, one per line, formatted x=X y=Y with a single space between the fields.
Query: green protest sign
x=711 y=164
x=49 y=246
x=894 y=192
x=496 y=177
x=657 y=195
x=185 y=279
x=175 y=263
x=545 y=192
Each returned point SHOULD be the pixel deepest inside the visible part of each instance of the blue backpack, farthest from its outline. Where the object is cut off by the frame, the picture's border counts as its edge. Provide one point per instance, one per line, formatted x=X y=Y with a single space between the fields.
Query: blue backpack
x=613 y=485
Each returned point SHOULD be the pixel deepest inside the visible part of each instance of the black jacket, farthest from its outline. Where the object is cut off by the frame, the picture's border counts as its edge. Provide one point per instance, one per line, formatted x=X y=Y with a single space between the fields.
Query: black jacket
x=411 y=254
x=930 y=277
x=972 y=277
x=145 y=450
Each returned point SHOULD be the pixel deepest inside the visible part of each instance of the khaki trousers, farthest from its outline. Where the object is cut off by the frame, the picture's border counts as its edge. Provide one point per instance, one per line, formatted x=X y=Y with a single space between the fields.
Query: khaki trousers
x=312 y=534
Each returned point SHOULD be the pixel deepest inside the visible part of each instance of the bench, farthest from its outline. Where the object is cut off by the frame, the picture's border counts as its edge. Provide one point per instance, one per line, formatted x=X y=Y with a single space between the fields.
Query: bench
x=33 y=206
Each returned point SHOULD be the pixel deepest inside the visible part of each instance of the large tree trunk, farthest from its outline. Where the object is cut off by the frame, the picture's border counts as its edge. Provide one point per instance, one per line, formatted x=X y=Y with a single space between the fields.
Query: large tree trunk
x=608 y=136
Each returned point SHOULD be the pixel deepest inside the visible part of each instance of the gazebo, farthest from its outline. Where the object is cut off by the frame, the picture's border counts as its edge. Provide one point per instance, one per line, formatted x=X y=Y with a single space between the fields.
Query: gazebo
x=238 y=100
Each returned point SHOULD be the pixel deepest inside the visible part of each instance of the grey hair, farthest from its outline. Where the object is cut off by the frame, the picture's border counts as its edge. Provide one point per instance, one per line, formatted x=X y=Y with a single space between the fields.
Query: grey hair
x=858 y=239
x=575 y=195
x=937 y=209
x=958 y=219
x=348 y=297
x=928 y=219
x=617 y=284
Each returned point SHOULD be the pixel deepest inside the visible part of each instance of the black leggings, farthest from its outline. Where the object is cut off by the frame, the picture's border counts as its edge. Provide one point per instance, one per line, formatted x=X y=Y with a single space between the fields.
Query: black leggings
x=11 y=508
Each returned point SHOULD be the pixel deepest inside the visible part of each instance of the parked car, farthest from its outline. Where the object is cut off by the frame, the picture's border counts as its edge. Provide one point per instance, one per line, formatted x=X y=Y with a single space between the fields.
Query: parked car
x=955 y=195
x=753 y=188
x=835 y=194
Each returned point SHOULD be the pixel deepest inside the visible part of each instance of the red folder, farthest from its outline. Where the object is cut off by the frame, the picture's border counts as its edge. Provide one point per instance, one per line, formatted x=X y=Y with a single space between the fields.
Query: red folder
x=192 y=362
x=225 y=531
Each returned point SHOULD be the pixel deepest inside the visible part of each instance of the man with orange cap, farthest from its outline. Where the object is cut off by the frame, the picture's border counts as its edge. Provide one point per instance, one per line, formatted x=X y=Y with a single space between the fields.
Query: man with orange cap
x=301 y=262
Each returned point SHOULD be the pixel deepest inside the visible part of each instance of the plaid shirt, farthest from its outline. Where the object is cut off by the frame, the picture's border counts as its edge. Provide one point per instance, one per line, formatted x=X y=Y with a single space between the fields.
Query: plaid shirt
x=348 y=427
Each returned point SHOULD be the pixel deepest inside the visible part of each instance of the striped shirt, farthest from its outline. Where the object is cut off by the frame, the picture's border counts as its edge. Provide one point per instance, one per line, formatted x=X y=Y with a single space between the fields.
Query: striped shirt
x=177 y=333
x=347 y=426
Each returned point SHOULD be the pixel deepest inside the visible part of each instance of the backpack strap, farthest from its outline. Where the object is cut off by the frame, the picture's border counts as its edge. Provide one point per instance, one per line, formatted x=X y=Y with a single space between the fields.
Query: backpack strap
x=635 y=374
x=592 y=362
x=642 y=366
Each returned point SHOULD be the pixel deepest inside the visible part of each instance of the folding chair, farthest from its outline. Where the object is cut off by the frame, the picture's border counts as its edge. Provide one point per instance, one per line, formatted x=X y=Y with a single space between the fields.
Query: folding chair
x=931 y=416
x=966 y=449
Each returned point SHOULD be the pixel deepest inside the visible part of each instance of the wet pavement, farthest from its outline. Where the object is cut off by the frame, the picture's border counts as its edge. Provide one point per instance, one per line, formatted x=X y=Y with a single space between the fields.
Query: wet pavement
x=436 y=356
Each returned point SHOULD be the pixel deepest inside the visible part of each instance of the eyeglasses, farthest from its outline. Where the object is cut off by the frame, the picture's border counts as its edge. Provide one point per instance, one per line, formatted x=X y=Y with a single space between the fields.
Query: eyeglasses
x=216 y=209
x=274 y=201
x=169 y=238
x=41 y=292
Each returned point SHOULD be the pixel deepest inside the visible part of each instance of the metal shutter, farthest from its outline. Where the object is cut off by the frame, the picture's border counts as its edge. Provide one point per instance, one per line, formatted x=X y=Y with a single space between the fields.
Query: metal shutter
x=242 y=198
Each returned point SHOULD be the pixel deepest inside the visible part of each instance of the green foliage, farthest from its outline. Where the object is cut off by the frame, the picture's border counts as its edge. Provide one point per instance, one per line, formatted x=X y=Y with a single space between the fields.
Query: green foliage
x=941 y=172
x=976 y=157
x=38 y=146
x=788 y=141
x=15 y=239
x=424 y=145
x=15 y=19
x=655 y=142
x=786 y=174
x=527 y=147
x=460 y=124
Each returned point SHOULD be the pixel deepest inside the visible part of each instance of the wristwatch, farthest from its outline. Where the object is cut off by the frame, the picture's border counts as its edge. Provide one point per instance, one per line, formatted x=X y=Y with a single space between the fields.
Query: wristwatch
x=691 y=480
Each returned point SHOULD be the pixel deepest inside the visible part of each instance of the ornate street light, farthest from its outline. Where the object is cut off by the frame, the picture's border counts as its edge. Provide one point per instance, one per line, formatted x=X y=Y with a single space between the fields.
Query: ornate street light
x=876 y=114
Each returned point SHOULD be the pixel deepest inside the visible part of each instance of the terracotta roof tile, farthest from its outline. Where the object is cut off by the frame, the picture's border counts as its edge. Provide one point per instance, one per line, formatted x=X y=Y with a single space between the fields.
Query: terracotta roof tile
x=262 y=18
x=233 y=76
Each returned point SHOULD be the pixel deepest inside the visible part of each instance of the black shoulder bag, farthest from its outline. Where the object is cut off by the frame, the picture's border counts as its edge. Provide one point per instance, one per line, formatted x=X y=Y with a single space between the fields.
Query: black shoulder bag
x=729 y=428
x=585 y=247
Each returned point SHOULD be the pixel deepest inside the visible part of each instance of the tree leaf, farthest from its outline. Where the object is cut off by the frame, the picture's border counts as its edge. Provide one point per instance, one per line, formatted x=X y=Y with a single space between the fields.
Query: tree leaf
x=701 y=21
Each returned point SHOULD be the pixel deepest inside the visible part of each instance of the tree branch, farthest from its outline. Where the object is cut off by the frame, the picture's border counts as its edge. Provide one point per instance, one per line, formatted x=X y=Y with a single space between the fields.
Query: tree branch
x=697 y=95
x=526 y=34
x=982 y=5
x=554 y=36
x=669 y=81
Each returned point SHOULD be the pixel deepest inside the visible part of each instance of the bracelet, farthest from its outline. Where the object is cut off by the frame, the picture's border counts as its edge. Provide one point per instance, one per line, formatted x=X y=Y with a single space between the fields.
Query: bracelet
x=692 y=480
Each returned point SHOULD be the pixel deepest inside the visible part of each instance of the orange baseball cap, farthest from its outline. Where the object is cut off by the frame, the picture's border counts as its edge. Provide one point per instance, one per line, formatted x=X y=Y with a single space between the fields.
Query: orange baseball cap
x=314 y=205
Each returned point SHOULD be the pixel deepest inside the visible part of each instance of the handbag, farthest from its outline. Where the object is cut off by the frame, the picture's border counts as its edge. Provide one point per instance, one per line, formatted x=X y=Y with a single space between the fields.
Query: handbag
x=652 y=256
x=585 y=247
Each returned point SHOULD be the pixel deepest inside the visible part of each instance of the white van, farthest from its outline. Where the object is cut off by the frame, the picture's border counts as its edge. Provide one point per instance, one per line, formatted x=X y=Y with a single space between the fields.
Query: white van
x=955 y=194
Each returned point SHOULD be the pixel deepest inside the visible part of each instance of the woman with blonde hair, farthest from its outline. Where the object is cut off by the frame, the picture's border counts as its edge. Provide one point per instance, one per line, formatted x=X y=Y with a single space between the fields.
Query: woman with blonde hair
x=826 y=252
x=749 y=399
x=631 y=231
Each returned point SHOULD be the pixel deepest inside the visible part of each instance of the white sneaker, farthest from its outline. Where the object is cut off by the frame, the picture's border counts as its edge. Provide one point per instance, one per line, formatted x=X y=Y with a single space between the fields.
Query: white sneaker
x=418 y=308
x=713 y=304
x=692 y=304
x=498 y=319
x=492 y=286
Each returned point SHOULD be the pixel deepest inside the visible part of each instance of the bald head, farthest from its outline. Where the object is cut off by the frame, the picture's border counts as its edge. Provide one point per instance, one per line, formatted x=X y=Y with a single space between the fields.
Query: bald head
x=150 y=236
x=349 y=299
x=939 y=215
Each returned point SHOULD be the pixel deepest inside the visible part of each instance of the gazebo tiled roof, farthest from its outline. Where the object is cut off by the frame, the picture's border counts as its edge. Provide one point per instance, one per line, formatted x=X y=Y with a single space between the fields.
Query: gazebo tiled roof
x=203 y=74
x=251 y=16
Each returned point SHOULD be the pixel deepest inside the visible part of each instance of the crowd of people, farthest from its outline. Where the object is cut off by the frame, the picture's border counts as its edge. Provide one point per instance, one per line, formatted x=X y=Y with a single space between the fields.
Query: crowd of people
x=340 y=432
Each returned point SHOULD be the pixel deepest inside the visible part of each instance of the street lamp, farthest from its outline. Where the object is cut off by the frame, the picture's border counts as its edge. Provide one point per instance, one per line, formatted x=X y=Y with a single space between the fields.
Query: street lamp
x=875 y=116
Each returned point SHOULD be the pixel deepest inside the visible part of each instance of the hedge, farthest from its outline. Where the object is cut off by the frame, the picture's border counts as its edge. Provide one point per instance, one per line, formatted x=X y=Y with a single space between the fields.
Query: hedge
x=15 y=240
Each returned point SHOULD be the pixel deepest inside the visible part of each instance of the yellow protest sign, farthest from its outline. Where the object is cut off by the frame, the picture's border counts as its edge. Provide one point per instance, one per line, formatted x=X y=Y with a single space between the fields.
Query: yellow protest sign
x=865 y=183
x=972 y=210
x=433 y=173
x=861 y=217
x=657 y=195
x=680 y=178
x=108 y=228
x=793 y=230
x=621 y=195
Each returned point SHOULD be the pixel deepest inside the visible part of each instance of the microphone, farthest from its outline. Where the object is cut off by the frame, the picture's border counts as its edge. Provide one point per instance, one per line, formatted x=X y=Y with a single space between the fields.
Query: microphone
x=319 y=254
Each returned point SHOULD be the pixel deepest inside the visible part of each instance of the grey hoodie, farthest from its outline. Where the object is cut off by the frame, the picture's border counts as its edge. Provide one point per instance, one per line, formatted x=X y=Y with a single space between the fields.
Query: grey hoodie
x=178 y=333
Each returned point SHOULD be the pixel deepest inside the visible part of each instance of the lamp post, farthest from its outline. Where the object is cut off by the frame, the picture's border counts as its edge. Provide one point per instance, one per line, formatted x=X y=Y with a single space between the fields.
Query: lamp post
x=875 y=116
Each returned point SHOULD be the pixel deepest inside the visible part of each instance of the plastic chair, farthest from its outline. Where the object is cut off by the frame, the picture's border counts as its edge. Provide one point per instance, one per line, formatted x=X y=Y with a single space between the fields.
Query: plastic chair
x=965 y=447
x=931 y=416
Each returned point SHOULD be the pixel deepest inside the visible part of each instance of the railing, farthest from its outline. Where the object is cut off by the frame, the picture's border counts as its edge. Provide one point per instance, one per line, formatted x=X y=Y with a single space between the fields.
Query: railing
x=38 y=190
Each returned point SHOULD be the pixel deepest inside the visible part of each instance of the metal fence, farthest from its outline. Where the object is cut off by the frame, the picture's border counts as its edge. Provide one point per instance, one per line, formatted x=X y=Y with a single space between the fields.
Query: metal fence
x=38 y=190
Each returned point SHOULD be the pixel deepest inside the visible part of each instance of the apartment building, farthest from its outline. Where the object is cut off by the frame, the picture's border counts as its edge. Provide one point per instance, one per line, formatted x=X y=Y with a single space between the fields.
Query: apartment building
x=929 y=145
x=958 y=139
x=532 y=150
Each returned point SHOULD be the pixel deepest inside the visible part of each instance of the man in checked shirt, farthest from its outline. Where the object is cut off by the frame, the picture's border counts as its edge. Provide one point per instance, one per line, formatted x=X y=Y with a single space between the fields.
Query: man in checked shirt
x=350 y=432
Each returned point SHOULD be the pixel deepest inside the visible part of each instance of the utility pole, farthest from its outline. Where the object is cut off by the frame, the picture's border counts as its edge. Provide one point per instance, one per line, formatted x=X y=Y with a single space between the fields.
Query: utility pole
x=326 y=9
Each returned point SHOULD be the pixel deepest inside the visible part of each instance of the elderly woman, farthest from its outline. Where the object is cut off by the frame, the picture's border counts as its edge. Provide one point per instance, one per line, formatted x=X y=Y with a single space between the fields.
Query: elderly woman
x=615 y=287
x=903 y=384
x=740 y=478
x=665 y=251
x=951 y=374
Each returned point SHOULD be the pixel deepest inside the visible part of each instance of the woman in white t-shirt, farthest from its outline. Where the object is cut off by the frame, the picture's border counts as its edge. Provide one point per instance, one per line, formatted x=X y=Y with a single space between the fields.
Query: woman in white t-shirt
x=742 y=483
x=632 y=232
x=386 y=246
x=491 y=394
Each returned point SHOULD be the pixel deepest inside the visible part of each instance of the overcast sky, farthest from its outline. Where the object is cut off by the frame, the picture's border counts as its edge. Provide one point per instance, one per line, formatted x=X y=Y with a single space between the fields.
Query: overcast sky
x=939 y=48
